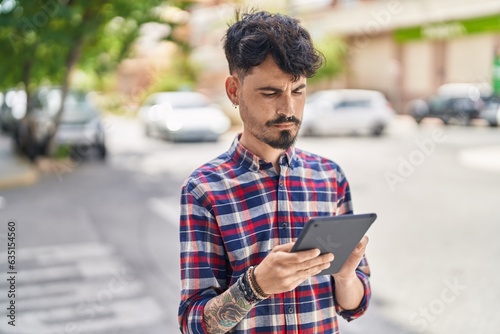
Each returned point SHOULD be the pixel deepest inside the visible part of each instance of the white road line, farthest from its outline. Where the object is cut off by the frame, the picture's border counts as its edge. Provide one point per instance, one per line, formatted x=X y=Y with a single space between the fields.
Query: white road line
x=482 y=158
x=61 y=253
x=83 y=288
x=52 y=308
x=118 y=316
x=166 y=207
x=83 y=269
x=59 y=289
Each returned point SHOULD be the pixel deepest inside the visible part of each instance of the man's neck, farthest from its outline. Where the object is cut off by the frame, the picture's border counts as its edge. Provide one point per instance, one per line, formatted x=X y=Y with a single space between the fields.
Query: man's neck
x=263 y=150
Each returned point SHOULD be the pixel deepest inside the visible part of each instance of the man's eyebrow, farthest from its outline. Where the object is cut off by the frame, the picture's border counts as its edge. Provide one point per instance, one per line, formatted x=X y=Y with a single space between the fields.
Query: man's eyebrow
x=300 y=87
x=276 y=89
x=271 y=88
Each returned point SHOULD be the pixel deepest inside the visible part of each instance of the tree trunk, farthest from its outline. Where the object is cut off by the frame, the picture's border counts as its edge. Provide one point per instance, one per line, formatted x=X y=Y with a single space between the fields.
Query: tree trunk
x=22 y=134
x=71 y=61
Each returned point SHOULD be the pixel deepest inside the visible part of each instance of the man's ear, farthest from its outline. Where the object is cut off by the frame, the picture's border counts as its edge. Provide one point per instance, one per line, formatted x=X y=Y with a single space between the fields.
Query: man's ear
x=232 y=88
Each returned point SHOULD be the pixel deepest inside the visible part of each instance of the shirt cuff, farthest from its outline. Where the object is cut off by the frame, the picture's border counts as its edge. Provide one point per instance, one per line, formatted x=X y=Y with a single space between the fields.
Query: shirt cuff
x=350 y=315
x=191 y=319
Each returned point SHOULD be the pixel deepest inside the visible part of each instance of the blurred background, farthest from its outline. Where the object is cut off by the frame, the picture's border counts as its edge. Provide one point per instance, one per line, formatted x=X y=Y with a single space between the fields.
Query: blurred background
x=107 y=106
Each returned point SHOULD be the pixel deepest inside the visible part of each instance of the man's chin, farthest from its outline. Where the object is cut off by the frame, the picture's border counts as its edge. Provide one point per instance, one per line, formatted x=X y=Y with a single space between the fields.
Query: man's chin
x=285 y=140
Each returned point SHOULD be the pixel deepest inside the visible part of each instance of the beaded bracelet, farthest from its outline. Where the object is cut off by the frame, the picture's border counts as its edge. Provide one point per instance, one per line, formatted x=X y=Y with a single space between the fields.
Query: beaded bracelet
x=246 y=289
x=255 y=286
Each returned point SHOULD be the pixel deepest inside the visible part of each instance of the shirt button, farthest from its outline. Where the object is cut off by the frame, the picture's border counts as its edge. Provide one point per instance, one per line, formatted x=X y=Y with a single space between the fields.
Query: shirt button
x=281 y=184
x=290 y=310
x=284 y=225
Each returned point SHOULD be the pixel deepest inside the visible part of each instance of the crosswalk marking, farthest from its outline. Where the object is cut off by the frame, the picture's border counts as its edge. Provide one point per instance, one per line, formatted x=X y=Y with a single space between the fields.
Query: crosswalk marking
x=83 y=288
x=61 y=253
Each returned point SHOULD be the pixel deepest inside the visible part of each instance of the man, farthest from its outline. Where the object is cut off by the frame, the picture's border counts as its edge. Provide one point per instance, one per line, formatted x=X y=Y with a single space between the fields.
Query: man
x=241 y=212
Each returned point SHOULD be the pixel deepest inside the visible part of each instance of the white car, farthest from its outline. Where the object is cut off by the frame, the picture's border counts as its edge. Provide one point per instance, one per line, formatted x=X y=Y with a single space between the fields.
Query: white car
x=346 y=111
x=183 y=116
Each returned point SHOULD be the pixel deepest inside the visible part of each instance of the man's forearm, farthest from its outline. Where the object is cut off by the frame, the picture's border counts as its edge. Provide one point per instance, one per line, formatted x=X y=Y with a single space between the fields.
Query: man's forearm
x=349 y=292
x=225 y=311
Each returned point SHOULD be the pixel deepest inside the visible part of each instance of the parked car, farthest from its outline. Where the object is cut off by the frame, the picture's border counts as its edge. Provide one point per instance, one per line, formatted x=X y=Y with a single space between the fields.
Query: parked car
x=346 y=111
x=183 y=116
x=12 y=109
x=455 y=103
x=491 y=112
x=81 y=127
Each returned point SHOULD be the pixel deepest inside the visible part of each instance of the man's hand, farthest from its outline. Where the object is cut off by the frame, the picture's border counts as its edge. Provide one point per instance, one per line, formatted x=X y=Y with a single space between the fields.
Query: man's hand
x=282 y=271
x=349 y=290
x=348 y=270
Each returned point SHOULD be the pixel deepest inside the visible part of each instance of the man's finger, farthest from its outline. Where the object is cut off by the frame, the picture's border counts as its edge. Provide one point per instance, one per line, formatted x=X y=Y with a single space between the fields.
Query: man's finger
x=284 y=248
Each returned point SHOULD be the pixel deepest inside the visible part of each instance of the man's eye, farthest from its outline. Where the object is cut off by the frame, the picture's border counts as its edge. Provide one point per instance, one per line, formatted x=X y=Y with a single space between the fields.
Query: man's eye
x=298 y=92
x=269 y=94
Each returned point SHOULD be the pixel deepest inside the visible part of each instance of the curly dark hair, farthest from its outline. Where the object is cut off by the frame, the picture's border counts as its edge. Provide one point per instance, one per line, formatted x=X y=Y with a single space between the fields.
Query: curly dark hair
x=254 y=36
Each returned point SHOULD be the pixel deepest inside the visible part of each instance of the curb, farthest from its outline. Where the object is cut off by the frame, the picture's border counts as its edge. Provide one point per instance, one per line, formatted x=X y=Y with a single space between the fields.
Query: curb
x=27 y=175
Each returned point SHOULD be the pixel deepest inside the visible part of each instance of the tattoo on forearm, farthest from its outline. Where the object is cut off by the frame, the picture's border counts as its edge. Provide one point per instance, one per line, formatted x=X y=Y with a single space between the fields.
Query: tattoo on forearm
x=224 y=312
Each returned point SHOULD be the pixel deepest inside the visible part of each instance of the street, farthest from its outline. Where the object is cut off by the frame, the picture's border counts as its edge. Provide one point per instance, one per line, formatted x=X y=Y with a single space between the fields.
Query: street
x=97 y=242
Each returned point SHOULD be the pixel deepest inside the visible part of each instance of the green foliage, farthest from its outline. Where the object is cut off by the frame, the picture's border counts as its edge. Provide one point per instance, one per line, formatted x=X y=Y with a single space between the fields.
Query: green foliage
x=44 y=40
x=62 y=152
x=335 y=52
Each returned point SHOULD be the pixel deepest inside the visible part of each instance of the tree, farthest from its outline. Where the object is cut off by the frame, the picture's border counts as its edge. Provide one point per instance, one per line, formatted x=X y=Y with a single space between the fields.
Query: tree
x=44 y=41
x=335 y=52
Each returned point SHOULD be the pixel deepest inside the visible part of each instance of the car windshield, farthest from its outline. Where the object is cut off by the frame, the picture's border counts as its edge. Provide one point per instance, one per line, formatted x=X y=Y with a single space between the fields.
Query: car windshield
x=354 y=104
x=77 y=108
x=316 y=97
x=78 y=111
x=436 y=102
x=183 y=100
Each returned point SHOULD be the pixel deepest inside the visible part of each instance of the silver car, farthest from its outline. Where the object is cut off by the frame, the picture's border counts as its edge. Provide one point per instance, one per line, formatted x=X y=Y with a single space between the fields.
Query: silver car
x=81 y=128
x=346 y=111
x=183 y=116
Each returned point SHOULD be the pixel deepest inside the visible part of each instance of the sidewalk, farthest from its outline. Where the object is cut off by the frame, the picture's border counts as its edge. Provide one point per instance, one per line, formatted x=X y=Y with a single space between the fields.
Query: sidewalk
x=15 y=171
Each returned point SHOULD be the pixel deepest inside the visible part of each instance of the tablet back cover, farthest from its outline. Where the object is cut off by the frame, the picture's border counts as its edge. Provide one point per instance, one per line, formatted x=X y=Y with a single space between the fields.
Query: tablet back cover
x=338 y=235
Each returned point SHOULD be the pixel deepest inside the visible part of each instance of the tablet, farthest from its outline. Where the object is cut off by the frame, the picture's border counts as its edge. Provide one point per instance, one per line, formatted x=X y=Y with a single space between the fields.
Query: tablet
x=338 y=235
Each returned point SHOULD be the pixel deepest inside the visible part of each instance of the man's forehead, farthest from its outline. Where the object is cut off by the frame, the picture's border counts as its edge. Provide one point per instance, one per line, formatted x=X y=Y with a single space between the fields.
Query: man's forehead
x=269 y=71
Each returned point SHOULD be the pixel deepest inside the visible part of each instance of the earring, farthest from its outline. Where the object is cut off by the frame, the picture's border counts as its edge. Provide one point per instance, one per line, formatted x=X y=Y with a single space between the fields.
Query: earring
x=235 y=105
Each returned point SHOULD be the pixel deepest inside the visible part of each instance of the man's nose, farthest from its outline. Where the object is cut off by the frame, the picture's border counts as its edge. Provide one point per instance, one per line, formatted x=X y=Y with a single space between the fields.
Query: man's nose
x=286 y=107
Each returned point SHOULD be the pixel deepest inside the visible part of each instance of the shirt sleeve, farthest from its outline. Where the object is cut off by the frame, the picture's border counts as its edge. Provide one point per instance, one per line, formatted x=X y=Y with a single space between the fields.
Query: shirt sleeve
x=202 y=259
x=344 y=206
x=363 y=273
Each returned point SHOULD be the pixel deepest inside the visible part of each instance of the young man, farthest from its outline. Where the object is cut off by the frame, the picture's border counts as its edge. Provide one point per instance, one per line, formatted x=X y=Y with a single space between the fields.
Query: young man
x=241 y=212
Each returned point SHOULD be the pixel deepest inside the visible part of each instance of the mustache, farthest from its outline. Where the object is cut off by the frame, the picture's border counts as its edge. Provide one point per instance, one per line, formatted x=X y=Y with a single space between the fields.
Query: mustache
x=283 y=119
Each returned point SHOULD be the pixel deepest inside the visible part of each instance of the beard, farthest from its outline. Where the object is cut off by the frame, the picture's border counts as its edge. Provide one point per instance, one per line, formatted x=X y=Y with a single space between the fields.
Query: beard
x=286 y=138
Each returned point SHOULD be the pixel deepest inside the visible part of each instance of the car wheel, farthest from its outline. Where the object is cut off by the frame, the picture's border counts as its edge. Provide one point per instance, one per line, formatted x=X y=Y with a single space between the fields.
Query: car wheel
x=378 y=130
x=43 y=148
x=102 y=152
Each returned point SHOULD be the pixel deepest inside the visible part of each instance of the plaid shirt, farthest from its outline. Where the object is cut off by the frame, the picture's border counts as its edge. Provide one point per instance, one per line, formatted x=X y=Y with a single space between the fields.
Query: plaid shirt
x=234 y=210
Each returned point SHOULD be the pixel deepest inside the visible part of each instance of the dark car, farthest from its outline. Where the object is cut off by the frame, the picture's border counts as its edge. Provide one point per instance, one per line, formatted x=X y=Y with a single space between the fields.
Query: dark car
x=80 y=129
x=491 y=112
x=453 y=104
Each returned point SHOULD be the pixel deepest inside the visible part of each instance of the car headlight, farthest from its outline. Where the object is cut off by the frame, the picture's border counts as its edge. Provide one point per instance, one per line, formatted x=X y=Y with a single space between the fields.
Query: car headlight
x=174 y=124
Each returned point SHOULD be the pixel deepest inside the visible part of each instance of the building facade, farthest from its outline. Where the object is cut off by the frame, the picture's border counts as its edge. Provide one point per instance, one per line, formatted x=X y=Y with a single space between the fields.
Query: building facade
x=408 y=48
